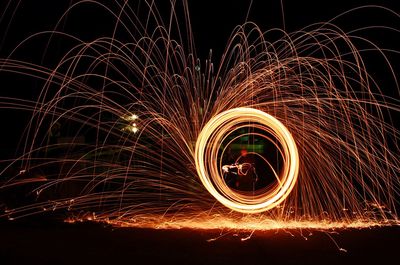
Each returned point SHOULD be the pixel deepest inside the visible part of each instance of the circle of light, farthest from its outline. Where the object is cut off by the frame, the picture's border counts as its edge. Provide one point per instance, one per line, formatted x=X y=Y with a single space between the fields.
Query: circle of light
x=206 y=155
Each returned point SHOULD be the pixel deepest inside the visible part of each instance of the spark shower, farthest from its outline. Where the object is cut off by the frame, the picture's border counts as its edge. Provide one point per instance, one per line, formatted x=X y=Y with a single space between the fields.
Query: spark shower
x=135 y=129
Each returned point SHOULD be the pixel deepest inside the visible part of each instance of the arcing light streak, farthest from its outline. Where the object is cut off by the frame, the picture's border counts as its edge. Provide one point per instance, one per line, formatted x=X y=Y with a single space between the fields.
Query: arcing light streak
x=147 y=78
x=206 y=157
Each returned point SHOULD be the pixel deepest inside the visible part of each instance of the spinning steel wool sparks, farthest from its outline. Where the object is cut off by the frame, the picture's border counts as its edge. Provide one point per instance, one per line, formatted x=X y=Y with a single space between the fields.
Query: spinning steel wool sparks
x=287 y=130
x=206 y=156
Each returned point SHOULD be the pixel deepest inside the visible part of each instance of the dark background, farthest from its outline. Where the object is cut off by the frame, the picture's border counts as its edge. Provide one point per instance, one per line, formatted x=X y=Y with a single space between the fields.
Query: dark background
x=96 y=244
x=46 y=241
x=212 y=24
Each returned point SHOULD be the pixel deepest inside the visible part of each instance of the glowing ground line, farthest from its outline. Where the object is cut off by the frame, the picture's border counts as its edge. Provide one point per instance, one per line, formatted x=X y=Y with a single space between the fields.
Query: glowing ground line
x=206 y=156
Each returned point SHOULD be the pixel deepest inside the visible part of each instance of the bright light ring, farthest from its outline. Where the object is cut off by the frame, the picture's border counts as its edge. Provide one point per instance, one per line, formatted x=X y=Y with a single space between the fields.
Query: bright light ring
x=206 y=157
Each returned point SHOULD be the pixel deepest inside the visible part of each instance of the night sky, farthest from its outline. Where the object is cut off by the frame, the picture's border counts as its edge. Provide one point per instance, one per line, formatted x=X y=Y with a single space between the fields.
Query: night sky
x=41 y=240
x=212 y=25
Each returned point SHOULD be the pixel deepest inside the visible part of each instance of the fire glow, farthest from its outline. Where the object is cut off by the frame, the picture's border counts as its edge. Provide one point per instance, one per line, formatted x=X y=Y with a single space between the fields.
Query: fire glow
x=147 y=120
x=206 y=152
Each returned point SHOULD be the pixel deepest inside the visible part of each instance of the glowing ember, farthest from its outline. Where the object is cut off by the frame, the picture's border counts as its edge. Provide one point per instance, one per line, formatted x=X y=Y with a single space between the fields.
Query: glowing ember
x=232 y=222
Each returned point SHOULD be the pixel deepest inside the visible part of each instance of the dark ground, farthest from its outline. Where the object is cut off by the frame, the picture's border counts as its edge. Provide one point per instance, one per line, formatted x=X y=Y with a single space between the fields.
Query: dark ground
x=42 y=243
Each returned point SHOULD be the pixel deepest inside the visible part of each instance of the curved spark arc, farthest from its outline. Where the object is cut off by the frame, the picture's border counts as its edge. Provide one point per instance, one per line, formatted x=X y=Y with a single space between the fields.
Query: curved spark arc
x=222 y=124
x=314 y=81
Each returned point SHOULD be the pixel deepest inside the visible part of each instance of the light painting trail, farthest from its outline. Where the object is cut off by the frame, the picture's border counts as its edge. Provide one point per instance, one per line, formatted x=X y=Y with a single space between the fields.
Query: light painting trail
x=206 y=157
x=133 y=128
